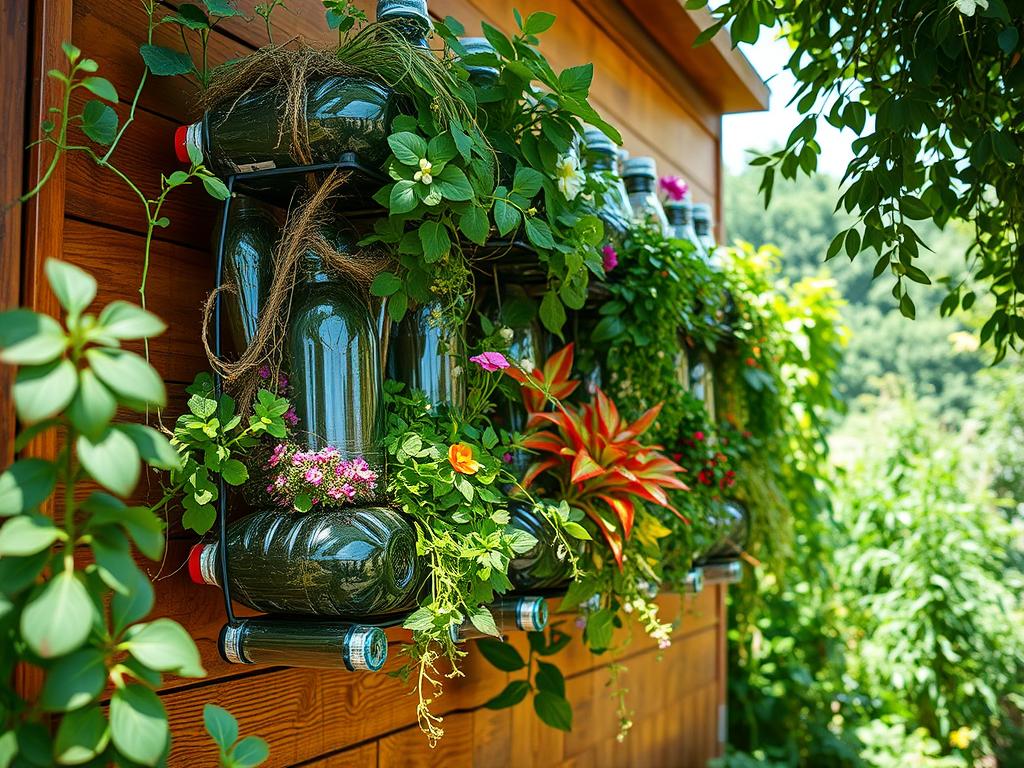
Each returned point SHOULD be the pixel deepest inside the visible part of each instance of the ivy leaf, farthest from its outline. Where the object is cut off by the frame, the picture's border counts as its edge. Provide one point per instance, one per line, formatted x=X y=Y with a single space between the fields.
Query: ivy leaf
x=435 y=241
x=385 y=284
x=99 y=122
x=554 y=710
x=138 y=724
x=165 y=62
x=59 y=618
x=514 y=693
x=501 y=655
x=100 y=86
x=25 y=484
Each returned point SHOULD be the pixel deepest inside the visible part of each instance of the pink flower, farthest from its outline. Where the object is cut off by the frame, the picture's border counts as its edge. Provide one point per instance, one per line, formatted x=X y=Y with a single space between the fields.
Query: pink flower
x=314 y=476
x=611 y=258
x=291 y=417
x=506 y=457
x=264 y=371
x=282 y=383
x=490 y=361
x=280 y=481
x=674 y=187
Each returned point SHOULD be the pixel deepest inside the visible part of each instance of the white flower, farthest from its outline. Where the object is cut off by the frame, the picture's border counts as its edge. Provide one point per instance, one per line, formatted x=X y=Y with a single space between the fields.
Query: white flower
x=423 y=174
x=506 y=335
x=627 y=608
x=968 y=7
x=456 y=371
x=569 y=176
x=526 y=364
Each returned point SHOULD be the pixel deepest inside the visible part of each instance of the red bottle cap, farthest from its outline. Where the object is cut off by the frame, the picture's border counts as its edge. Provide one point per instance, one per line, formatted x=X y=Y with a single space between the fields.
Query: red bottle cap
x=180 y=143
x=195 y=571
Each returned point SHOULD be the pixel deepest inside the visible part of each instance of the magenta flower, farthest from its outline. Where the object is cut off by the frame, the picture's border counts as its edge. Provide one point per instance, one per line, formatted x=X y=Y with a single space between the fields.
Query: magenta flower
x=290 y=417
x=490 y=361
x=264 y=372
x=506 y=457
x=674 y=187
x=314 y=476
x=611 y=258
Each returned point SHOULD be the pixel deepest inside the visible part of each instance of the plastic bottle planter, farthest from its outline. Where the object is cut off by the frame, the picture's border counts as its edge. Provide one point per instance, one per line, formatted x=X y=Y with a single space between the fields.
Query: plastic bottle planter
x=641 y=176
x=602 y=158
x=702 y=380
x=285 y=642
x=543 y=566
x=424 y=355
x=729 y=528
x=516 y=614
x=348 y=562
x=333 y=352
x=252 y=233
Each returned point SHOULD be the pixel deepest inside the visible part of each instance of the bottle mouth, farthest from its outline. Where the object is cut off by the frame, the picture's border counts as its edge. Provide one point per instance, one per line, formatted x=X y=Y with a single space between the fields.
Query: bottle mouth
x=198 y=565
x=366 y=648
x=532 y=614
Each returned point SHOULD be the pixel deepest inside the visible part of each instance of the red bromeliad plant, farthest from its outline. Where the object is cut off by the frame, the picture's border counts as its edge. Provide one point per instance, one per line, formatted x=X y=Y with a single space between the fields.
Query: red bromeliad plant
x=598 y=460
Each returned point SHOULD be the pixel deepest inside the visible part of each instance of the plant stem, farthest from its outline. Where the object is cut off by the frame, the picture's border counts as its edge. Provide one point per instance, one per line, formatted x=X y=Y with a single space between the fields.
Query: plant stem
x=65 y=119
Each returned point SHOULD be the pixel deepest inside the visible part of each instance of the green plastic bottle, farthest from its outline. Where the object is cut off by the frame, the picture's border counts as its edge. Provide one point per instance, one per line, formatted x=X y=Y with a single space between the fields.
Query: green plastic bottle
x=349 y=562
x=426 y=354
x=602 y=158
x=640 y=175
x=291 y=643
x=251 y=235
x=544 y=566
x=342 y=114
x=333 y=355
x=513 y=614
x=680 y=220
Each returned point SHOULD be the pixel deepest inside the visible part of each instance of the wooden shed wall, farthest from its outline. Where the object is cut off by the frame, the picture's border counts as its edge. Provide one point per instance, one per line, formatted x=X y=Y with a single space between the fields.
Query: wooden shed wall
x=86 y=216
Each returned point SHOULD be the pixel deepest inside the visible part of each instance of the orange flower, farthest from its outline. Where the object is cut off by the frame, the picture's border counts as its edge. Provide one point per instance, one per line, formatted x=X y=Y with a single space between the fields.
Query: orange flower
x=461 y=458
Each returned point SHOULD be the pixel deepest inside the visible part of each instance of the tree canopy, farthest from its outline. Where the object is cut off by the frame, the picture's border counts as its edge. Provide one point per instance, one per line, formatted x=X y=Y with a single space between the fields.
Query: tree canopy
x=932 y=89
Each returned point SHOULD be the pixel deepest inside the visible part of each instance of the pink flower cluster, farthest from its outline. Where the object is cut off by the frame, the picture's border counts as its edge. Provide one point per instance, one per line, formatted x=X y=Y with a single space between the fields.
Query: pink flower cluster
x=673 y=187
x=322 y=475
x=291 y=418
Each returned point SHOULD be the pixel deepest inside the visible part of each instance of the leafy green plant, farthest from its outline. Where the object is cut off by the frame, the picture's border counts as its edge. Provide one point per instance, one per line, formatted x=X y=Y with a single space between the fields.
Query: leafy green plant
x=342 y=15
x=234 y=752
x=940 y=81
x=73 y=596
x=210 y=437
x=543 y=679
x=191 y=19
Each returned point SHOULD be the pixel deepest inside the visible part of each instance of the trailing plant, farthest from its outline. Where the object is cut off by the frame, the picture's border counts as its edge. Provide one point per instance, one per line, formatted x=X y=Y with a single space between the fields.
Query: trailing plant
x=72 y=596
x=448 y=475
x=533 y=118
x=941 y=82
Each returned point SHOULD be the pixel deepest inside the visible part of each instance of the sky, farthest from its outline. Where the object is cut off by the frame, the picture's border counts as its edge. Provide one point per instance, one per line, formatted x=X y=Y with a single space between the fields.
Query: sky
x=767 y=130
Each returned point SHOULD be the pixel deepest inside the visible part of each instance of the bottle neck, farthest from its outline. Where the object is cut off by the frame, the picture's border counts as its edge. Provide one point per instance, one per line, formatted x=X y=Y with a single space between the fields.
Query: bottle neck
x=678 y=215
x=602 y=161
x=639 y=184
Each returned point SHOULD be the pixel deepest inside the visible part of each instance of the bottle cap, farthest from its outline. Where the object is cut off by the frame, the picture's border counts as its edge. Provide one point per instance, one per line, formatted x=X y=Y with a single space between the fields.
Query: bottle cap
x=643 y=167
x=181 y=143
x=532 y=614
x=403 y=9
x=366 y=648
x=695 y=580
x=229 y=643
x=597 y=141
x=202 y=562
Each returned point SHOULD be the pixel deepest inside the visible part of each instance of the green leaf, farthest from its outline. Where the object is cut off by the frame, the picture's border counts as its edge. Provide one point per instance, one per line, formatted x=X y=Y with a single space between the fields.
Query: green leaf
x=114 y=562
x=514 y=693
x=134 y=381
x=453 y=185
x=214 y=187
x=221 y=725
x=25 y=485
x=475 y=225
x=58 y=619
x=442 y=148
x=223 y=8
x=539 y=233
x=99 y=122
x=124 y=320
x=914 y=208
x=609 y=327
x=141 y=523
x=74 y=287
x=93 y=405
x=18 y=573
x=498 y=40
x=403 y=197
x=101 y=87
x=550 y=678
x=165 y=62
x=29 y=338
x=133 y=605
x=234 y=472
x=435 y=240
x=385 y=284
x=71 y=50
x=409 y=148
x=484 y=621
x=138 y=724
x=577 y=531
x=539 y=22
x=27 y=534
x=552 y=313
x=74 y=681
x=527 y=181
x=506 y=217
x=250 y=751
x=45 y=390
x=198 y=517
x=153 y=447
x=553 y=710
x=112 y=460
x=501 y=655
x=165 y=646
x=191 y=16
x=599 y=629
x=577 y=79
x=81 y=736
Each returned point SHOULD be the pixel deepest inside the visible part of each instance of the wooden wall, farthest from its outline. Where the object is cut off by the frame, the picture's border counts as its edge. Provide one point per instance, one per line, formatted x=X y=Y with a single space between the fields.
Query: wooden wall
x=86 y=216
